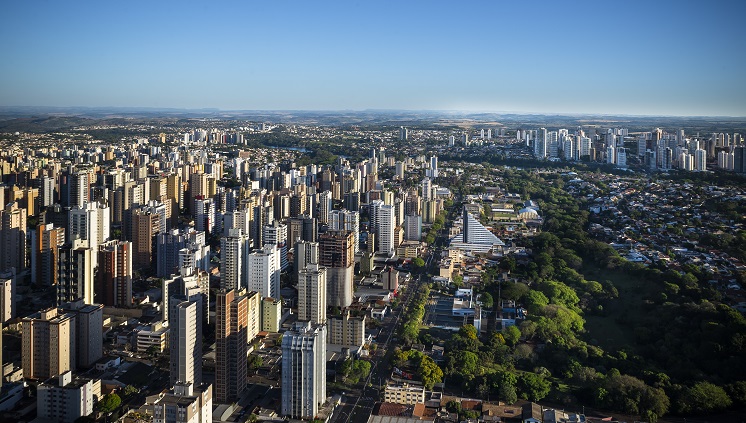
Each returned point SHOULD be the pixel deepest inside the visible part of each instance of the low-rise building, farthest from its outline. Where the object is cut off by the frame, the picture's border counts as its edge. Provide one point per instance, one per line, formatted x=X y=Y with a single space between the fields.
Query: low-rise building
x=404 y=393
x=186 y=404
x=155 y=335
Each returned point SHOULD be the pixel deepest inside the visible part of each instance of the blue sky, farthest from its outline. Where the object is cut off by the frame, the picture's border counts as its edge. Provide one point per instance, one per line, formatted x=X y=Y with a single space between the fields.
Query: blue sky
x=630 y=57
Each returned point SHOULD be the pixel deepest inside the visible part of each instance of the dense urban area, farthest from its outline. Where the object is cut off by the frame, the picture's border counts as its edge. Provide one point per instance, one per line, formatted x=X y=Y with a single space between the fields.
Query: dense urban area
x=372 y=268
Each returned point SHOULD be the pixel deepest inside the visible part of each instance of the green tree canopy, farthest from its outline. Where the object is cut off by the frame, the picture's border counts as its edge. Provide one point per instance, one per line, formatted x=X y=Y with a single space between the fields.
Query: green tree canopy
x=533 y=387
x=109 y=403
x=512 y=335
x=703 y=397
x=534 y=301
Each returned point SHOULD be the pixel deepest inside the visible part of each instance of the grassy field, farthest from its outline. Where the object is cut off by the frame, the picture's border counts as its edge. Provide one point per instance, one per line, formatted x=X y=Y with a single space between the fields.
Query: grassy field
x=613 y=330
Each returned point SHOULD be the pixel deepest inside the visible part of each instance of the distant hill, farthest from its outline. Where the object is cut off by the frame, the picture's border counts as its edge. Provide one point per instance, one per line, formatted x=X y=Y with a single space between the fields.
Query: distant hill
x=42 y=124
x=43 y=119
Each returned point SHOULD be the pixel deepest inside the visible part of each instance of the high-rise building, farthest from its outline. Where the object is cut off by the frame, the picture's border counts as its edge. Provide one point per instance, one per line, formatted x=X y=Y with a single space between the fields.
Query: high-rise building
x=190 y=283
x=325 y=206
x=253 y=315
x=234 y=259
x=46 y=192
x=739 y=159
x=44 y=257
x=89 y=337
x=432 y=172
x=312 y=294
x=231 y=366
x=303 y=370
x=346 y=330
x=337 y=254
x=47 y=344
x=305 y=253
x=79 y=189
x=145 y=226
x=89 y=222
x=700 y=160
x=277 y=234
x=185 y=340
x=204 y=215
x=271 y=314
x=413 y=228
x=390 y=279
x=13 y=238
x=386 y=225
x=303 y=228
x=264 y=271
x=621 y=157
x=168 y=246
x=346 y=220
x=65 y=399
x=75 y=270
x=114 y=277
x=403 y=134
x=7 y=295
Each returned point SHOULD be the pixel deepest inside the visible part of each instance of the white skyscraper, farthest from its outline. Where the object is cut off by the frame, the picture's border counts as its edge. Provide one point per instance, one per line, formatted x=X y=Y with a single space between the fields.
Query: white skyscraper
x=551 y=145
x=610 y=155
x=46 y=193
x=700 y=159
x=204 y=215
x=90 y=223
x=185 y=340
x=433 y=171
x=234 y=252
x=585 y=146
x=264 y=271
x=303 y=370
x=540 y=144
x=386 y=225
x=621 y=157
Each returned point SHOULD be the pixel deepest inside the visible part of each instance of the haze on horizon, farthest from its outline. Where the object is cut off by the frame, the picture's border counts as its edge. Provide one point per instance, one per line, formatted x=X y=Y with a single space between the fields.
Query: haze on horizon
x=635 y=58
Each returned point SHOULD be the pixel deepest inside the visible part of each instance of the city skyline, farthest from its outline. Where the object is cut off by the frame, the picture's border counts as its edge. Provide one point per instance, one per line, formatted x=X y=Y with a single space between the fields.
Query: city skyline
x=586 y=58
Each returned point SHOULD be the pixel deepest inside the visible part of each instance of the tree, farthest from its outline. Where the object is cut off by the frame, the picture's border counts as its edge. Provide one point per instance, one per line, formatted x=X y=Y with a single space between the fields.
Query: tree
x=511 y=334
x=458 y=280
x=496 y=340
x=360 y=369
x=631 y=395
x=453 y=407
x=418 y=263
x=703 y=397
x=487 y=301
x=464 y=363
x=254 y=362
x=533 y=387
x=130 y=390
x=109 y=403
x=429 y=372
x=535 y=300
x=507 y=393
x=737 y=392
x=468 y=331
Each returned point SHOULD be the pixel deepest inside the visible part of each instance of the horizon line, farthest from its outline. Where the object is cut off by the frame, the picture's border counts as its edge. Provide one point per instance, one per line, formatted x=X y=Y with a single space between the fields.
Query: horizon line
x=380 y=110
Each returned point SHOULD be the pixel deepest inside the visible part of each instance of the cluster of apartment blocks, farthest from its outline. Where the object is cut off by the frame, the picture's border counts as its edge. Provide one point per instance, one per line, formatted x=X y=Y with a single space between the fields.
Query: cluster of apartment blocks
x=86 y=197
x=137 y=196
x=656 y=149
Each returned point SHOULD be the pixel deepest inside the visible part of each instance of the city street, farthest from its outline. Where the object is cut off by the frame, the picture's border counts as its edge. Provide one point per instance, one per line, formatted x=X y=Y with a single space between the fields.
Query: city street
x=357 y=408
